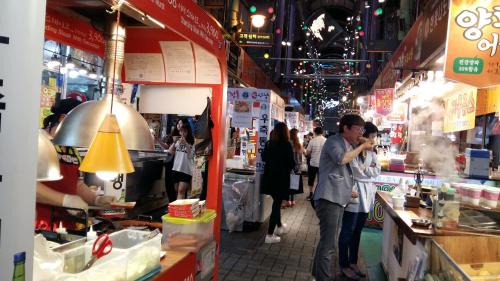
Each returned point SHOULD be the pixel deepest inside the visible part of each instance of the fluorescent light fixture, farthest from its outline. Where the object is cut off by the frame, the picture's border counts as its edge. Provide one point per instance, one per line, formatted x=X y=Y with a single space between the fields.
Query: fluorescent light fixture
x=73 y=74
x=155 y=21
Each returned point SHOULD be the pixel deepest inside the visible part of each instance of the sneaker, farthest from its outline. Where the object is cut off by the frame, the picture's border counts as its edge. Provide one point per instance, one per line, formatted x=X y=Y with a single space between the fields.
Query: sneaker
x=310 y=197
x=271 y=239
x=281 y=230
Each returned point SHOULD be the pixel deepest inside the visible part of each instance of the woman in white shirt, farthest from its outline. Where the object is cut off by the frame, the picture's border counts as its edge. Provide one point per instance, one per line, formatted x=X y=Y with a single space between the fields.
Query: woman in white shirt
x=365 y=168
x=183 y=150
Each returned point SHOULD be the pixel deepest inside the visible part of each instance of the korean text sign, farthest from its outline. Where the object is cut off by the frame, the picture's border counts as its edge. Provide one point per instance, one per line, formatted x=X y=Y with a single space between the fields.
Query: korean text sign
x=460 y=110
x=384 y=98
x=472 y=54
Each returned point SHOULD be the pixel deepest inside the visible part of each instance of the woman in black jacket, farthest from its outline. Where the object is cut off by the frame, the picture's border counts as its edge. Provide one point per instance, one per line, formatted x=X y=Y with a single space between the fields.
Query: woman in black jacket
x=278 y=158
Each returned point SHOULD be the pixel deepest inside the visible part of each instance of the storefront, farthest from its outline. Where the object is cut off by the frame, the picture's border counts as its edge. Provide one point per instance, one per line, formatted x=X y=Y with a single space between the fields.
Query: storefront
x=252 y=114
x=437 y=99
x=174 y=58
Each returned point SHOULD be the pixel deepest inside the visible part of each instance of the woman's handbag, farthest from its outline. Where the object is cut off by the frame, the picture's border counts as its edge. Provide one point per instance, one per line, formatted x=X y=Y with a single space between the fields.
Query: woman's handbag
x=294 y=181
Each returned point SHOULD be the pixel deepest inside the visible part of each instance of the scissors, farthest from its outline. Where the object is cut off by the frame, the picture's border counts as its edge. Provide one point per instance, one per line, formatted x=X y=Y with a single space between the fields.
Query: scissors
x=102 y=246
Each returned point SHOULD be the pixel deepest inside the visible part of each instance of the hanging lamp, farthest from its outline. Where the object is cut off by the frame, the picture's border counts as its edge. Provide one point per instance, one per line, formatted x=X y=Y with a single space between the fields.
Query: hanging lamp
x=48 y=168
x=80 y=125
x=107 y=155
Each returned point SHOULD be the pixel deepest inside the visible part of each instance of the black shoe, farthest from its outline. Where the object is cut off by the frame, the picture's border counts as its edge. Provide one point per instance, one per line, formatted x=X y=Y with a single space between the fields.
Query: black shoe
x=350 y=274
x=358 y=272
x=309 y=198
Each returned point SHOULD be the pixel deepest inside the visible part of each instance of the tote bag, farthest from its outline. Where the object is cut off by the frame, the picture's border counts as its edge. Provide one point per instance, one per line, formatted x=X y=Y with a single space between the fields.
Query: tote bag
x=294 y=181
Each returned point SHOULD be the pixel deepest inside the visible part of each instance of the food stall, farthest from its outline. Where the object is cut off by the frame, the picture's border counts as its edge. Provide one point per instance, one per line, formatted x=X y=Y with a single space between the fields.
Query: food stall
x=438 y=196
x=192 y=62
x=252 y=114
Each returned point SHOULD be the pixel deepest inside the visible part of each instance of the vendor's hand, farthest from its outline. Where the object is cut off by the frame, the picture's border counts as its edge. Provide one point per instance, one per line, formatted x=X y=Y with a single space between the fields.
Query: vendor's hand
x=74 y=201
x=104 y=200
x=354 y=194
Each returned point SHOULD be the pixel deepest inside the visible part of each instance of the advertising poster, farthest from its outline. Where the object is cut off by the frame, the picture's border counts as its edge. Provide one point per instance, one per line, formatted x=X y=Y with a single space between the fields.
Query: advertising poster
x=242 y=114
x=474 y=26
x=384 y=98
x=460 y=111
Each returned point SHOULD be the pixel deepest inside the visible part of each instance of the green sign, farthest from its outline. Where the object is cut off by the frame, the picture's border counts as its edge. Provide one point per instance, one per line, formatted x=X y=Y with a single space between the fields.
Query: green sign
x=468 y=65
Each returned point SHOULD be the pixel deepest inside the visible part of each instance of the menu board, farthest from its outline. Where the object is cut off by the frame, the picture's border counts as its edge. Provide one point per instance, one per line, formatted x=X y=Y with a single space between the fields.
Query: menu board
x=179 y=61
x=207 y=67
x=144 y=67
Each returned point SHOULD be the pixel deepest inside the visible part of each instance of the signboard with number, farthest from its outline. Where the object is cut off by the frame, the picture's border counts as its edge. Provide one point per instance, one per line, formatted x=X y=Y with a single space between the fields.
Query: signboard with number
x=384 y=99
x=255 y=39
x=460 y=110
x=472 y=54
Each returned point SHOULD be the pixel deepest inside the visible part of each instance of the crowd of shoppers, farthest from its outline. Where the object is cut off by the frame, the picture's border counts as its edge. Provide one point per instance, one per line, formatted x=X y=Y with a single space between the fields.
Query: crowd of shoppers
x=346 y=166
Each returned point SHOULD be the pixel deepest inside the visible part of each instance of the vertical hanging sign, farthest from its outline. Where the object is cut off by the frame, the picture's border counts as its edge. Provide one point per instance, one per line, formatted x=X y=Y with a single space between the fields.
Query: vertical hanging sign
x=383 y=100
x=21 y=45
x=472 y=55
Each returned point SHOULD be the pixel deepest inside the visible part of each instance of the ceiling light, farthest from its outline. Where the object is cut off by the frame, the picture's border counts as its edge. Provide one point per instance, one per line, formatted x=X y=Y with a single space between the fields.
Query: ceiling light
x=93 y=74
x=289 y=44
x=300 y=48
x=69 y=63
x=73 y=74
x=283 y=43
x=83 y=71
x=360 y=100
x=63 y=70
x=367 y=6
x=381 y=1
x=258 y=21
x=344 y=98
x=54 y=62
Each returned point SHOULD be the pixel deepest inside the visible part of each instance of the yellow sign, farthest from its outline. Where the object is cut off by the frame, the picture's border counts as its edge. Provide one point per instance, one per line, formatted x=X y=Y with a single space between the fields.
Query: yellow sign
x=460 y=111
x=488 y=101
x=472 y=54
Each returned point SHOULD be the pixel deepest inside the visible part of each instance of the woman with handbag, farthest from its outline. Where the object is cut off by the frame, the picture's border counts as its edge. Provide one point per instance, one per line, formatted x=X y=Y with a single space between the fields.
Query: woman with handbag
x=298 y=153
x=365 y=168
x=279 y=163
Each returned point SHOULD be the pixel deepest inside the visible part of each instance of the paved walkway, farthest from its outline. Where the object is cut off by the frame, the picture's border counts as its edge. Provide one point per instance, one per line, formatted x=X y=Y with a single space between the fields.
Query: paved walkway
x=244 y=256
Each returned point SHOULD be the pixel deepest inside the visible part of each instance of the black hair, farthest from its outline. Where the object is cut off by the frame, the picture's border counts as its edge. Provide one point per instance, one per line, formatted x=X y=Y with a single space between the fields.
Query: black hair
x=318 y=131
x=187 y=127
x=370 y=128
x=61 y=107
x=280 y=133
x=350 y=120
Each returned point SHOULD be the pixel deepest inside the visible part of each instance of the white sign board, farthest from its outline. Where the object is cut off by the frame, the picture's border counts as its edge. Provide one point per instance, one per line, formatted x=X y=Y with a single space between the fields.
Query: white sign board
x=21 y=45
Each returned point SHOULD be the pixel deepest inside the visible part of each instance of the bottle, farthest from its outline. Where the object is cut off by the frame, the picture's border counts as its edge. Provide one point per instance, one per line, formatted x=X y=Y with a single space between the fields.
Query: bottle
x=19 y=260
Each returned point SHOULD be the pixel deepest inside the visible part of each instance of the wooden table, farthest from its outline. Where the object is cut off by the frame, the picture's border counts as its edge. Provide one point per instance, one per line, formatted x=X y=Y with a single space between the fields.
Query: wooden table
x=403 y=217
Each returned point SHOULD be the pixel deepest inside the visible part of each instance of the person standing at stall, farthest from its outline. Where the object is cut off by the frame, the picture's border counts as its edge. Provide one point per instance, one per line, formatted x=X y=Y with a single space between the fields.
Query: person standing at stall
x=70 y=191
x=335 y=189
x=279 y=163
x=365 y=168
x=183 y=151
x=314 y=151
x=298 y=153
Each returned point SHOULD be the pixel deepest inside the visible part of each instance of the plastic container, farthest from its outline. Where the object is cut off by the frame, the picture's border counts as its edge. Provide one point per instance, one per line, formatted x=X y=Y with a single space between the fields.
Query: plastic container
x=490 y=197
x=109 y=267
x=188 y=234
x=398 y=202
x=458 y=191
x=450 y=214
x=474 y=192
x=142 y=253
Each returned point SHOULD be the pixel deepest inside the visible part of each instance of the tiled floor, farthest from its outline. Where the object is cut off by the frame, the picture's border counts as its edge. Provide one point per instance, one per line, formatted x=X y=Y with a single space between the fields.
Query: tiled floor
x=244 y=256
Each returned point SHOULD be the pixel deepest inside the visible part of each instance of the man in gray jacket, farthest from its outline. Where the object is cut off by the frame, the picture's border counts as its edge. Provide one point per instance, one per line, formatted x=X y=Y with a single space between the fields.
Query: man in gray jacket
x=335 y=189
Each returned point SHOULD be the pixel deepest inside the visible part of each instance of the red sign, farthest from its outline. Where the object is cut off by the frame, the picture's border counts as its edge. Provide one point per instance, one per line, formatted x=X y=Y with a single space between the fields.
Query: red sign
x=396 y=134
x=187 y=19
x=73 y=32
x=384 y=98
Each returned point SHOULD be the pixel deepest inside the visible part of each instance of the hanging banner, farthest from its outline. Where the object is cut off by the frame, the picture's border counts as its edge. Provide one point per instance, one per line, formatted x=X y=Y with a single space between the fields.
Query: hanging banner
x=73 y=32
x=398 y=114
x=384 y=98
x=472 y=55
x=460 y=111
x=488 y=101
x=292 y=120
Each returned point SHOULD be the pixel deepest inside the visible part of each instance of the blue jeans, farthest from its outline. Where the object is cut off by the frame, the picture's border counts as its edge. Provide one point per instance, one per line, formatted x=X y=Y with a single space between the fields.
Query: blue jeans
x=349 y=238
x=330 y=222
